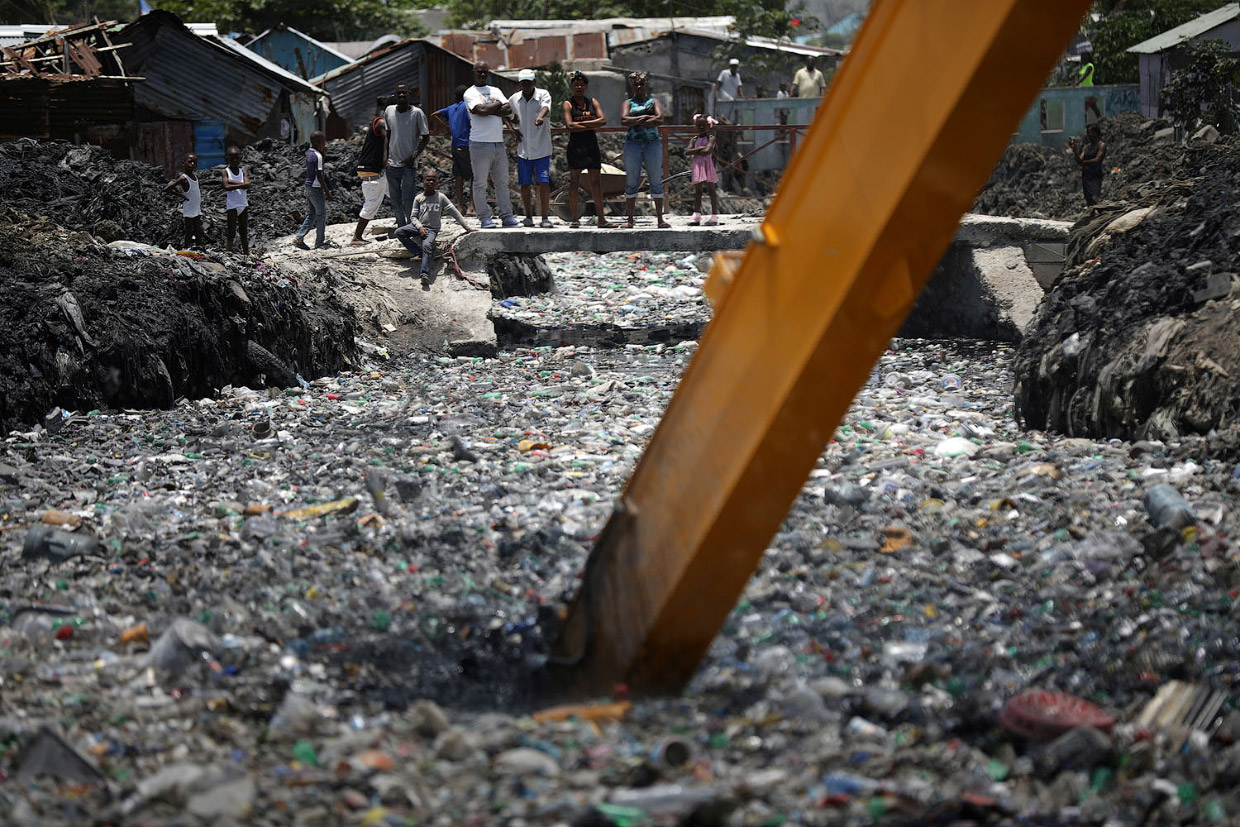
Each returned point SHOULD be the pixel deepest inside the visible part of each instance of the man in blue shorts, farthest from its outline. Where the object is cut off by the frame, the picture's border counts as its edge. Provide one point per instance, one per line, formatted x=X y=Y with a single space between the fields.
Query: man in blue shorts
x=531 y=109
x=455 y=119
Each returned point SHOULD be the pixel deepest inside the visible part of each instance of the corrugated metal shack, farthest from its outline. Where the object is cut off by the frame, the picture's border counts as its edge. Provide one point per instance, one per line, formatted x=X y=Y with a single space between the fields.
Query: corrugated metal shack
x=69 y=84
x=358 y=91
x=212 y=80
x=297 y=52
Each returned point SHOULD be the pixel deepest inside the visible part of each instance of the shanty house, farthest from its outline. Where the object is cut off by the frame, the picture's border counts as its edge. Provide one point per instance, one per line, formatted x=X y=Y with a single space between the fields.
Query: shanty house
x=297 y=52
x=229 y=94
x=1159 y=56
x=70 y=84
x=361 y=89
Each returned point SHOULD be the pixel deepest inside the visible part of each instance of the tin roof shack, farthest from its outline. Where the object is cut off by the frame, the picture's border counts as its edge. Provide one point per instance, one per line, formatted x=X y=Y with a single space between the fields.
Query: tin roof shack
x=1165 y=53
x=358 y=91
x=297 y=52
x=69 y=84
x=213 y=79
x=690 y=53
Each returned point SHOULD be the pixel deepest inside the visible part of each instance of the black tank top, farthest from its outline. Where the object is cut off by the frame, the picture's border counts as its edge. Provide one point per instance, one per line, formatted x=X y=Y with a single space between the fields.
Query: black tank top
x=585 y=112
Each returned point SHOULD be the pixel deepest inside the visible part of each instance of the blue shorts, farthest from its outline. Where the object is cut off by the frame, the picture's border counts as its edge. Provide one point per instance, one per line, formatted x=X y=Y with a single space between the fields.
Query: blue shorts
x=529 y=171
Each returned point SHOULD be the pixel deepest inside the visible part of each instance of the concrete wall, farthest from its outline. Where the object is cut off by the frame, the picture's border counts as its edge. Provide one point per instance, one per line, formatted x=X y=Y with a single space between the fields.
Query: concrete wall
x=767 y=111
x=1060 y=113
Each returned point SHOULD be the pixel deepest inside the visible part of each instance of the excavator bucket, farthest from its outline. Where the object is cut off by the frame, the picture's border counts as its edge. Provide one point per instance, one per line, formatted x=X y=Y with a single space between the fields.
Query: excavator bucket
x=914 y=121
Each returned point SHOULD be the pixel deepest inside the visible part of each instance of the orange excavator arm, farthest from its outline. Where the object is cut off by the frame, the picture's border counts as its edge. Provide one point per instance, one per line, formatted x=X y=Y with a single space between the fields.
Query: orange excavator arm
x=918 y=115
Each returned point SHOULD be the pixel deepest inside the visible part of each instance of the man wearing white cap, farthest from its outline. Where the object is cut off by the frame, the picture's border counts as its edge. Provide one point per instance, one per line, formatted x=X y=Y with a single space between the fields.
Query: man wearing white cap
x=531 y=109
x=728 y=84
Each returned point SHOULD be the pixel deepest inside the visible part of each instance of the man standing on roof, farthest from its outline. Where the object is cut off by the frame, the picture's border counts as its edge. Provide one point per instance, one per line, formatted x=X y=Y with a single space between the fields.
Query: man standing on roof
x=728 y=85
x=532 y=111
x=809 y=82
x=488 y=107
x=370 y=168
x=407 y=136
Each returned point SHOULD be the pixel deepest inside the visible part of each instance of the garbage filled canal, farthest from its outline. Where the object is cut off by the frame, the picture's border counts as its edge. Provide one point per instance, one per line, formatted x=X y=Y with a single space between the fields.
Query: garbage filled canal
x=321 y=605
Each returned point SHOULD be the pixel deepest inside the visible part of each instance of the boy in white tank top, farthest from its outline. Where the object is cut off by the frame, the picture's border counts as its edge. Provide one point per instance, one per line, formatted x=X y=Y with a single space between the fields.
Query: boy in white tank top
x=191 y=202
x=236 y=199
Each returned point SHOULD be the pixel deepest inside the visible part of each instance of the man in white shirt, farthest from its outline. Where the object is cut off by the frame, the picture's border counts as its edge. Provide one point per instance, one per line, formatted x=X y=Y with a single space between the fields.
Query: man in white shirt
x=728 y=84
x=488 y=107
x=531 y=109
x=809 y=82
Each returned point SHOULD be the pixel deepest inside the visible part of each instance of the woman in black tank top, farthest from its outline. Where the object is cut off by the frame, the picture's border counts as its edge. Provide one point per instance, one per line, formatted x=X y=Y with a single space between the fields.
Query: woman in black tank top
x=582 y=115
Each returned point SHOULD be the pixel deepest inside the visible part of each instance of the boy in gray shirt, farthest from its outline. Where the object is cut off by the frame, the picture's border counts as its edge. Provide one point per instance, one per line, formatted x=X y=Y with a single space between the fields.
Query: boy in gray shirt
x=418 y=235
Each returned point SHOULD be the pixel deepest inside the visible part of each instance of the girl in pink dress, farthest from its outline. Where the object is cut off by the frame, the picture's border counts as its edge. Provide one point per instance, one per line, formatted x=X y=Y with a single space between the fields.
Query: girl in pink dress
x=701 y=149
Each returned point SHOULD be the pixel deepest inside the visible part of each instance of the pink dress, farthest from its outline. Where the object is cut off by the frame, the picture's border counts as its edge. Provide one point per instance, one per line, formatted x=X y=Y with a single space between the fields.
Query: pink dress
x=704 y=164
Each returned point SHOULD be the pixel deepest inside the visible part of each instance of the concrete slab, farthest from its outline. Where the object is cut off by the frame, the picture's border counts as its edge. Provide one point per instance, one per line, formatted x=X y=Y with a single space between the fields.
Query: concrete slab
x=733 y=233
x=985 y=293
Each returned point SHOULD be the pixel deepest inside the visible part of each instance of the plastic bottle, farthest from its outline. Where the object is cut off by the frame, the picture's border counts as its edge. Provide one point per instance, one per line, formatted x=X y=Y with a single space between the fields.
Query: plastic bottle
x=57 y=544
x=1167 y=508
x=1082 y=748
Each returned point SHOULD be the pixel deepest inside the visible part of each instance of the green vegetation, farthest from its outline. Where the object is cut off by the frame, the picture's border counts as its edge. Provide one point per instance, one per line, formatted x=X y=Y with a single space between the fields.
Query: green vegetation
x=1124 y=23
x=1204 y=90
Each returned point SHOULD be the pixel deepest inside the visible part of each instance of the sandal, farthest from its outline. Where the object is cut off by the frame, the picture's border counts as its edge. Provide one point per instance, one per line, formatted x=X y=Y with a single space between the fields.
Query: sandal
x=663 y=225
x=576 y=225
x=607 y=225
x=358 y=242
x=630 y=224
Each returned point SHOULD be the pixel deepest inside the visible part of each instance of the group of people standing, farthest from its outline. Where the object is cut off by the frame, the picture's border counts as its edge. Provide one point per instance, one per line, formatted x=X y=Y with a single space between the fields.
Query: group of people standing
x=477 y=121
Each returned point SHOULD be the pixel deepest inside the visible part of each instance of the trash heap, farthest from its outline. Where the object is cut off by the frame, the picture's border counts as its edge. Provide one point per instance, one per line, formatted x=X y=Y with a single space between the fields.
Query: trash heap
x=85 y=325
x=328 y=605
x=1039 y=181
x=82 y=187
x=610 y=300
x=1137 y=339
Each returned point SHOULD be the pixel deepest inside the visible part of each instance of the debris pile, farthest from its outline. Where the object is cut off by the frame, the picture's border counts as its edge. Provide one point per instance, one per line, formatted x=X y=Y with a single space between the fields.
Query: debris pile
x=1138 y=337
x=330 y=604
x=1039 y=181
x=85 y=325
x=82 y=187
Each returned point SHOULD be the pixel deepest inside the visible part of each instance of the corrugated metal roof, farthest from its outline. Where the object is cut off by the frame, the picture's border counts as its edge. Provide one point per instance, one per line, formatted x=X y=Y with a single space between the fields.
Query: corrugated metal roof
x=353 y=87
x=626 y=37
x=12 y=35
x=320 y=44
x=263 y=63
x=720 y=22
x=1191 y=30
x=194 y=77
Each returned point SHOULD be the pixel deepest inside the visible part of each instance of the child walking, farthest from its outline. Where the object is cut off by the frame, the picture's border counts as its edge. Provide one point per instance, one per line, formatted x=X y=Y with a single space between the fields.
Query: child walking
x=191 y=202
x=236 y=199
x=418 y=235
x=702 y=148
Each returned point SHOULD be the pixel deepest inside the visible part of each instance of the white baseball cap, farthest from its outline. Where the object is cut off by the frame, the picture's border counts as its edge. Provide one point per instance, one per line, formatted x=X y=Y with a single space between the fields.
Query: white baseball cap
x=734 y=62
x=525 y=74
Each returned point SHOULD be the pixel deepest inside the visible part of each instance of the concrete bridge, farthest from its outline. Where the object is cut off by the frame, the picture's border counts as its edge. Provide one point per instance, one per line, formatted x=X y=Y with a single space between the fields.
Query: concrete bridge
x=987 y=286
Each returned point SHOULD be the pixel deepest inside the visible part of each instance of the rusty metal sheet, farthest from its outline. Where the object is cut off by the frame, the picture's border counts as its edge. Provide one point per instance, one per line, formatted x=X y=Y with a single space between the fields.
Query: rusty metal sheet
x=82 y=54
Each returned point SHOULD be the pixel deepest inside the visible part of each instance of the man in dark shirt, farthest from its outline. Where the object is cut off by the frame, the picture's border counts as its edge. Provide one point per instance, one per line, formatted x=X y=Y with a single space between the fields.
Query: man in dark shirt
x=370 y=168
x=455 y=119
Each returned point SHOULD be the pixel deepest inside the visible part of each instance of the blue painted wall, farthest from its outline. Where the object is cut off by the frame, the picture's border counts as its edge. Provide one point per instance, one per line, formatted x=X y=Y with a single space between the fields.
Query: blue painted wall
x=280 y=47
x=1068 y=111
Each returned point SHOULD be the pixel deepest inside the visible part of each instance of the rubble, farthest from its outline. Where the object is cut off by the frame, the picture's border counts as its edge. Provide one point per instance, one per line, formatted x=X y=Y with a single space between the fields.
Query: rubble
x=355 y=599
x=1039 y=181
x=1137 y=338
x=86 y=326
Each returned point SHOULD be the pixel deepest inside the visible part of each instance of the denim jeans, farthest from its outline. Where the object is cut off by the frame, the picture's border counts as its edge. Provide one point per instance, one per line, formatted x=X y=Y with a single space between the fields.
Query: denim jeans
x=416 y=244
x=490 y=159
x=316 y=216
x=402 y=189
x=637 y=153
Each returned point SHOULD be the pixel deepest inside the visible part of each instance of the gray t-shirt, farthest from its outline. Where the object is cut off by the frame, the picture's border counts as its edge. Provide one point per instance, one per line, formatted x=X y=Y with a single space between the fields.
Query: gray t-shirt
x=427 y=210
x=405 y=129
